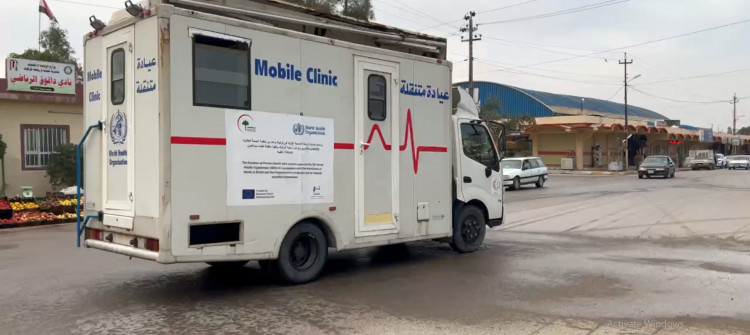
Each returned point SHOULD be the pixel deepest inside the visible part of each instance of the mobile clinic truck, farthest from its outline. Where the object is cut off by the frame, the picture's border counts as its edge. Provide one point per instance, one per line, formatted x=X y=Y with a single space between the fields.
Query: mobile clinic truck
x=259 y=130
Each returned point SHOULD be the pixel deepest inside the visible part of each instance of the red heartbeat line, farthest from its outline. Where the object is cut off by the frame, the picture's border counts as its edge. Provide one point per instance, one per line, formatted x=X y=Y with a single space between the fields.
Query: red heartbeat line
x=408 y=138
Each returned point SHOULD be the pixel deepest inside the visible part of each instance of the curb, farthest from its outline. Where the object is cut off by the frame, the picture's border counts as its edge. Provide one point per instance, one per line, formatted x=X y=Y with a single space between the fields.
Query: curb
x=591 y=173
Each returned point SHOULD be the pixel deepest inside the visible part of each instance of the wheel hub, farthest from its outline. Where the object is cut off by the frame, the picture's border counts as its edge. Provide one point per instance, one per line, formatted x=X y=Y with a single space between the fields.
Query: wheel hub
x=304 y=251
x=470 y=229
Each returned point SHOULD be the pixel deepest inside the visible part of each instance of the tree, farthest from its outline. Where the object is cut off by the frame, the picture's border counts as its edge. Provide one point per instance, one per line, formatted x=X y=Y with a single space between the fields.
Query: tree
x=55 y=48
x=488 y=111
x=3 y=147
x=743 y=131
x=61 y=168
x=359 y=9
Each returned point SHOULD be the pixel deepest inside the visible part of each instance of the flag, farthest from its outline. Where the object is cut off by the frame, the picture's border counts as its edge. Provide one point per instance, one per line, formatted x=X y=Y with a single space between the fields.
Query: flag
x=44 y=9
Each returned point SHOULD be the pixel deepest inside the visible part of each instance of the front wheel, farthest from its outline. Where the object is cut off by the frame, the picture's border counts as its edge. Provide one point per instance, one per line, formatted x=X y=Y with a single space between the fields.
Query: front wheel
x=303 y=254
x=469 y=228
x=516 y=183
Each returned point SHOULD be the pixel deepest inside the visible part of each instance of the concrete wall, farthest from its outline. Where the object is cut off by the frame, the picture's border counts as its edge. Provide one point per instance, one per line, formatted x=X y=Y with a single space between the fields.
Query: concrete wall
x=553 y=146
x=12 y=116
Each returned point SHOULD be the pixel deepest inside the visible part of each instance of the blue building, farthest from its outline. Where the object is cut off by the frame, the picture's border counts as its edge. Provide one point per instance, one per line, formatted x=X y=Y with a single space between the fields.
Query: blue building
x=515 y=101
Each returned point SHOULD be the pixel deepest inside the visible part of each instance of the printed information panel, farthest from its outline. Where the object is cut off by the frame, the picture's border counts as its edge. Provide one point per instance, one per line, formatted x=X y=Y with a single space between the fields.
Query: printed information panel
x=275 y=159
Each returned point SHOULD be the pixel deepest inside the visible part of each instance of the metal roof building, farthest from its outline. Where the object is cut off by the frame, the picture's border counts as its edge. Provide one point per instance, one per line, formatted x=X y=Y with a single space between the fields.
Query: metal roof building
x=515 y=101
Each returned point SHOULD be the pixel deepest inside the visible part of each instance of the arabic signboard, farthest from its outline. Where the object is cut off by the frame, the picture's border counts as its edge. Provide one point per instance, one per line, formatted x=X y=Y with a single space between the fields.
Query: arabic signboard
x=706 y=135
x=277 y=158
x=42 y=77
x=736 y=141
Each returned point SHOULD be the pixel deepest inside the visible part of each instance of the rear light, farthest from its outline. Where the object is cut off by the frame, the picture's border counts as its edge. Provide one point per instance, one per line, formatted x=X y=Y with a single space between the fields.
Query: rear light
x=152 y=244
x=93 y=234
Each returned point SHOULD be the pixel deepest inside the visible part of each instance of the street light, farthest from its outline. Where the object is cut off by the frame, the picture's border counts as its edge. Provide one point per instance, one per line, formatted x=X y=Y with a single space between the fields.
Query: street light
x=582 y=99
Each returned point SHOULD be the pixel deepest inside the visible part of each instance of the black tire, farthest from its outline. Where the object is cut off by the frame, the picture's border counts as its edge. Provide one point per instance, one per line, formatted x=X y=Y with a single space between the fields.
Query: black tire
x=648 y=176
x=469 y=229
x=303 y=254
x=540 y=182
x=227 y=265
x=516 y=183
x=640 y=176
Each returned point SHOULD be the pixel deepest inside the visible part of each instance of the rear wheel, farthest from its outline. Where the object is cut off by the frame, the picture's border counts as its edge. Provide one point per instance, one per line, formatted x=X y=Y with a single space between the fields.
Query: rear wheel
x=540 y=182
x=468 y=229
x=516 y=183
x=303 y=254
x=640 y=176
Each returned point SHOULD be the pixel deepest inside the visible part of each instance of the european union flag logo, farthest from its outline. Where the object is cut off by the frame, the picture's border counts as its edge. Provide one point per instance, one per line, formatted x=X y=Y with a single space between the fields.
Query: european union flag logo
x=248 y=194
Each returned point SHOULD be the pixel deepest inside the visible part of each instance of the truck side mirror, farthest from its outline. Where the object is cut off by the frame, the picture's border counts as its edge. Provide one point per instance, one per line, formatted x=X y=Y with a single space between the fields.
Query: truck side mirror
x=502 y=151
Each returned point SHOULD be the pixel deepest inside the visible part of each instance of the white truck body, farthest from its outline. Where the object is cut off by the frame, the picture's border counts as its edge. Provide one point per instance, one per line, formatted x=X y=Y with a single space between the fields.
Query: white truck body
x=204 y=157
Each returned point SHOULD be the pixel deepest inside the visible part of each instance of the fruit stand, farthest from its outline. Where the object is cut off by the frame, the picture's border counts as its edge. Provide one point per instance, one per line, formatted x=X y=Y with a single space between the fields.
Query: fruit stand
x=24 y=212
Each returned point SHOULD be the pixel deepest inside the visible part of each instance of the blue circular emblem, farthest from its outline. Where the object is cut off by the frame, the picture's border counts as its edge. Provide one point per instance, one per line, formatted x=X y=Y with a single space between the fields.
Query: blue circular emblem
x=118 y=127
x=298 y=129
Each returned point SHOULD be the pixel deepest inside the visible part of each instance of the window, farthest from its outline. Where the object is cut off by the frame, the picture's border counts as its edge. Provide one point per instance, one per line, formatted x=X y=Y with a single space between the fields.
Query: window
x=117 y=85
x=526 y=165
x=540 y=162
x=376 y=101
x=533 y=163
x=478 y=145
x=221 y=73
x=38 y=142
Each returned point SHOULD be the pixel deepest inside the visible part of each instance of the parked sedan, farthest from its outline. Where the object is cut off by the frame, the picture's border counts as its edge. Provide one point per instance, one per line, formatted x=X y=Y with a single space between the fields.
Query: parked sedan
x=657 y=166
x=738 y=162
x=519 y=171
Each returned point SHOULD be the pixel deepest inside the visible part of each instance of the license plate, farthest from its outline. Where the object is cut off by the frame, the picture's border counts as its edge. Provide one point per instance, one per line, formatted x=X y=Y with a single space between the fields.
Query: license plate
x=651 y=171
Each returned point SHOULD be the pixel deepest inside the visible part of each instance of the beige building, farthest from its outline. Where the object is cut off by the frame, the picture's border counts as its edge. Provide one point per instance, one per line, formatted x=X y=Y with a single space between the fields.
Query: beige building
x=33 y=125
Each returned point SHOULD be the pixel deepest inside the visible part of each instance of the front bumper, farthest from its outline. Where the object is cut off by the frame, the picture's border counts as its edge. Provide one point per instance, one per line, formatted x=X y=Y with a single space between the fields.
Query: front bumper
x=737 y=166
x=653 y=173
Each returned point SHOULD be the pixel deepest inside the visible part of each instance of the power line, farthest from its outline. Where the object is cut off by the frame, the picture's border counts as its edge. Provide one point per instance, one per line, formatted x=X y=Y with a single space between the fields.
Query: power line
x=519 y=72
x=480 y=12
x=87 y=4
x=562 y=12
x=614 y=94
x=644 y=43
x=676 y=100
x=515 y=68
x=408 y=8
x=693 y=77
x=511 y=43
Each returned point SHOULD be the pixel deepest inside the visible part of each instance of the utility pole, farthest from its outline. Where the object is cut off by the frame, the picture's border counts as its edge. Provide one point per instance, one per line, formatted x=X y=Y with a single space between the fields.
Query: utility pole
x=471 y=28
x=734 y=114
x=625 y=81
x=626 y=62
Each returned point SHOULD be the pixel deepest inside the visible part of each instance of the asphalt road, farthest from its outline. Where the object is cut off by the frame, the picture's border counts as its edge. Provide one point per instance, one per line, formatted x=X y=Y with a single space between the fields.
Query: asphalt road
x=584 y=255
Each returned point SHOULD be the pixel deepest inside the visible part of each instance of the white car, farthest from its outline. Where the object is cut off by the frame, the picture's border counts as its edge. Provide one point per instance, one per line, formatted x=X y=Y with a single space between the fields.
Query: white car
x=518 y=171
x=738 y=162
x=721 y=161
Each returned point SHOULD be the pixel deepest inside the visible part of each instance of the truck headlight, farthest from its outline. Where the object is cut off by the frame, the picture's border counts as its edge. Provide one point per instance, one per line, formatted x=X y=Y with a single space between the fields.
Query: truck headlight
x=659 y=169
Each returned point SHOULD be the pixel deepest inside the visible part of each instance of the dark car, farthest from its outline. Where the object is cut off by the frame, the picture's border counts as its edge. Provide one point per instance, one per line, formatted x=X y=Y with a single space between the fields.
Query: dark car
x=656 y=166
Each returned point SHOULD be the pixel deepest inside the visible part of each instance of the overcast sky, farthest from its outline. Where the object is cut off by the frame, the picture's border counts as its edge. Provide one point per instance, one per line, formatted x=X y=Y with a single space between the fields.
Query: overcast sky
x=526 y=42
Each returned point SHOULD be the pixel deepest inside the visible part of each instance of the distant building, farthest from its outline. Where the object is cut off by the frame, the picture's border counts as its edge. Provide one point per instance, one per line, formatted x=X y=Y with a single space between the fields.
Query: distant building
x=33 y=125
x=590 y=133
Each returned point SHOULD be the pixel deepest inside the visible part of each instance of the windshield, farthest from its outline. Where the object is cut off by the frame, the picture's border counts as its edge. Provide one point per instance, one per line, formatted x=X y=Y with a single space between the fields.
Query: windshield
x=508 y=164
x=655 y=160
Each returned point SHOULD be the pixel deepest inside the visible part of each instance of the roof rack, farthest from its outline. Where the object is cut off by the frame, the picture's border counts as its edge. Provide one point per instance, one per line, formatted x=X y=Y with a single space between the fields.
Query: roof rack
x=307 y=20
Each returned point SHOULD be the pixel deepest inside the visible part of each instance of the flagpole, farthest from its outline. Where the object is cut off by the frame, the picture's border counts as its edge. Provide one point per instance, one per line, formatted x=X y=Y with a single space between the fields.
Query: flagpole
x=39 y=39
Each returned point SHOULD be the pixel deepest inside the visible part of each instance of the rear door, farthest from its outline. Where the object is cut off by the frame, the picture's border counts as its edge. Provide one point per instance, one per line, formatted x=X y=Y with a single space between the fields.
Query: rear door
x=376 y=137
x=118 y=183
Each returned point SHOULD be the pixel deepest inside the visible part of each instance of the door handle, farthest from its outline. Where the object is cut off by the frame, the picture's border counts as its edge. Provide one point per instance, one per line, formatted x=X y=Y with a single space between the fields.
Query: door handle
x=467 y=179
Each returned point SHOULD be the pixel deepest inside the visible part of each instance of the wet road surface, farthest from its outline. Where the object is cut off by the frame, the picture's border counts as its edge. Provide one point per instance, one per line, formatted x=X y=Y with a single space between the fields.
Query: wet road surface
x=584 y=255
